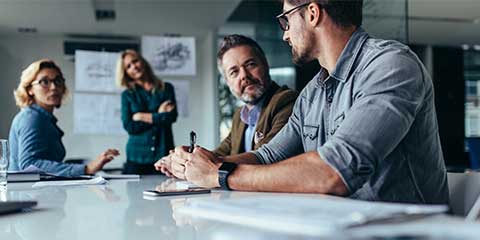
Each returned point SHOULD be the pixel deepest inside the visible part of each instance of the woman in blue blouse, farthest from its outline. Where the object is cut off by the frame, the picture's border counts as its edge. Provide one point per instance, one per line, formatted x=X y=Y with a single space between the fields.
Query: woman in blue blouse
x=148 y=111
x=35 y=138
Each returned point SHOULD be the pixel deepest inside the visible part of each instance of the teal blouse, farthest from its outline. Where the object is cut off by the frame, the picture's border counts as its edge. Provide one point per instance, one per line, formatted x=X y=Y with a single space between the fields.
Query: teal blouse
x=148 y=142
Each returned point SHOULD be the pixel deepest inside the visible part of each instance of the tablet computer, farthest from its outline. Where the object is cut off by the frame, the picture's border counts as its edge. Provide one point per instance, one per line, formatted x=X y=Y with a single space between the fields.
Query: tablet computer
x=155 y=193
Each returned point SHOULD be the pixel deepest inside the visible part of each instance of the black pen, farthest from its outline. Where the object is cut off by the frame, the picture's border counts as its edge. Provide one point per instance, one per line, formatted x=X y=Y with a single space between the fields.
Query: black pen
x=193 y=141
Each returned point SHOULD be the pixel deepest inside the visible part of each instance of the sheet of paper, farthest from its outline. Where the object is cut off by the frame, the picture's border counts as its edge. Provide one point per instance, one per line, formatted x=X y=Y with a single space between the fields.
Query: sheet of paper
x=94 y=181
x=97 y=114
x=182 y=92
x=318 y=215
x=95 y=71
x=117 y=176
x=170 y=55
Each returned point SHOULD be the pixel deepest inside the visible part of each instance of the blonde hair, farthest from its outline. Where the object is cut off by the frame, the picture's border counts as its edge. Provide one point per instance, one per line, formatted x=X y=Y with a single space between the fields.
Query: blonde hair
x=123 y=80
x=22 y=97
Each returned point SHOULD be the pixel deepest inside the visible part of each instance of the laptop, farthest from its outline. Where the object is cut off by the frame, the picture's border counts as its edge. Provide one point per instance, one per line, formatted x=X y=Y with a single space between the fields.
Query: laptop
x=15 y=206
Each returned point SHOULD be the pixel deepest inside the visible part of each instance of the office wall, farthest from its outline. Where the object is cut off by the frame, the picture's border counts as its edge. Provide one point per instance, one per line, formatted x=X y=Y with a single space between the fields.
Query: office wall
x=16 y=52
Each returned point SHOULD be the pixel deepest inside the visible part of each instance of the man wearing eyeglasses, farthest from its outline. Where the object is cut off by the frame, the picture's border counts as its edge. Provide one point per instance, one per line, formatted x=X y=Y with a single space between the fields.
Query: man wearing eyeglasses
x=364 y=127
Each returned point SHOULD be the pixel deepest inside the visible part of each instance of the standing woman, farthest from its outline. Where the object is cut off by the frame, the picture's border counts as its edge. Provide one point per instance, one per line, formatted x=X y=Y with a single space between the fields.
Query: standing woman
x=35 y=138
x=148 y=111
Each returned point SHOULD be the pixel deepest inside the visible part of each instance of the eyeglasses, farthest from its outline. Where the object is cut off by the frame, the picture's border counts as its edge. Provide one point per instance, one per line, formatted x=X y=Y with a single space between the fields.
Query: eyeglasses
x=283 y=20
x=46 y=83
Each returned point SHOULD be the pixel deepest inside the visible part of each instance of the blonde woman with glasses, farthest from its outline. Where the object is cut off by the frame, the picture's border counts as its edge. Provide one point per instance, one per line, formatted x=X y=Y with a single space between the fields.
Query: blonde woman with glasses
x=35 y=138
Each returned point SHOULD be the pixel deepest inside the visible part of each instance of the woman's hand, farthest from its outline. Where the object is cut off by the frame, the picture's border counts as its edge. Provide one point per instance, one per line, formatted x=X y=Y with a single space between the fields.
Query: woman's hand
x=102 y=159
x=142 y=117
x=166 y=106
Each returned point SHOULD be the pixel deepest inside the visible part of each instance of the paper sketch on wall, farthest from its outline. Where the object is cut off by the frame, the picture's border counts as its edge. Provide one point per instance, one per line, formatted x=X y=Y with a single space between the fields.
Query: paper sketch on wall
x=182 y=91
x=170 y=55
x=97 y=114
x=95 y=71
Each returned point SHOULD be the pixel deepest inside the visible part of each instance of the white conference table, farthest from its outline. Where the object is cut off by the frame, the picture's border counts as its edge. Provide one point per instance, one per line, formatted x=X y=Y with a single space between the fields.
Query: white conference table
x=118 y=210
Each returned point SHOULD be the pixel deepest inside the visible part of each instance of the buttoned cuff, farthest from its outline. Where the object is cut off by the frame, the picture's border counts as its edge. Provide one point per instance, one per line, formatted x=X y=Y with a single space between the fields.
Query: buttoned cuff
x=164 y=117
x=77 y=170
x=158 y=117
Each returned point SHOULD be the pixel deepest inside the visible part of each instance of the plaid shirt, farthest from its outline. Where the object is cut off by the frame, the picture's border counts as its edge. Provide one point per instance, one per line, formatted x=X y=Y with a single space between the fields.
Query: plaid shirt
x=148 y=142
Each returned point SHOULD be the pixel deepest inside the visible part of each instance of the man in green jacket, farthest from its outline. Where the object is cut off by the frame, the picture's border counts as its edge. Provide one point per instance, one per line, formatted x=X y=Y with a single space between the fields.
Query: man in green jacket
x=267 y=106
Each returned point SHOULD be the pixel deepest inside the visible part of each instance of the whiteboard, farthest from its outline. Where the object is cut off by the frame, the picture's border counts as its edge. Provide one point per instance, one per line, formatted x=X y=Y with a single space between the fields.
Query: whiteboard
x=182 y=91
x=97 y=114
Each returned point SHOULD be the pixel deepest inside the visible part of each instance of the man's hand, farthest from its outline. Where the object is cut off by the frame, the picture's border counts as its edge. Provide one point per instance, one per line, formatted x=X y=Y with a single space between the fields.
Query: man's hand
x=167 y=185
x=102 y=159
x=178 y=160
x=166 y=106
x=202 y=168
x=164 y=165
x=142 y=117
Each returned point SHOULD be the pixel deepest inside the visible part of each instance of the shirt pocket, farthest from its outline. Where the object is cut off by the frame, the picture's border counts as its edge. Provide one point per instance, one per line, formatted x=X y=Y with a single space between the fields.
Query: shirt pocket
x=310 y=136
x=337 y=121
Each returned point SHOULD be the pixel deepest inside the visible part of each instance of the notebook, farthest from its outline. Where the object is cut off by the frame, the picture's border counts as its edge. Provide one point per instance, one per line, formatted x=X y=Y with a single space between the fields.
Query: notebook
x=16 y=176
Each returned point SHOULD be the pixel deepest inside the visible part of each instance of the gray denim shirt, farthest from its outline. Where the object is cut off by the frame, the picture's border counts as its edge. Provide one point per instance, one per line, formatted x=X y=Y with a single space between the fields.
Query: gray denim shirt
x=373 y=120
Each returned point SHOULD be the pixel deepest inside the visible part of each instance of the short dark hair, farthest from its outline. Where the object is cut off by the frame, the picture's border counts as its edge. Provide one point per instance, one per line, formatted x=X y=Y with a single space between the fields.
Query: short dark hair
x=344 y=13
x=236 y=40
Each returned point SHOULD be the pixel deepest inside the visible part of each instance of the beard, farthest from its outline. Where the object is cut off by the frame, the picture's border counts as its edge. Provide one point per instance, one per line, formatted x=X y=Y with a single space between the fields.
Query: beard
x=302 y=54
x=251 y=98
x=300 y=58
x=255 y=96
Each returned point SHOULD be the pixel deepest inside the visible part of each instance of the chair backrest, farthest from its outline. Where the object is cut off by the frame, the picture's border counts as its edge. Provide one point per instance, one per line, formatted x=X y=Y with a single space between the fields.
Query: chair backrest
x=464 y=193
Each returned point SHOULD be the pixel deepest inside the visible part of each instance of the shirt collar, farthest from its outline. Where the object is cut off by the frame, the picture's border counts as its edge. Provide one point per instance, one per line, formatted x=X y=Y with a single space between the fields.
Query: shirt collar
x=43 y=112
x=349 y=54
x=250 y=117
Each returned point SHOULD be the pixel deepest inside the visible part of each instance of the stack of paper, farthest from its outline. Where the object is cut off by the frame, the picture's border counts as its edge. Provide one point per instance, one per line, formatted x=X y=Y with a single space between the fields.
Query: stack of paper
x=94 y=181
x=316 y=215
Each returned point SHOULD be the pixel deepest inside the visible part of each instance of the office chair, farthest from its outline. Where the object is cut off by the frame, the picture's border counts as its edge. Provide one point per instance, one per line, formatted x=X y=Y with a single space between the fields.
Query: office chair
x=464 y=194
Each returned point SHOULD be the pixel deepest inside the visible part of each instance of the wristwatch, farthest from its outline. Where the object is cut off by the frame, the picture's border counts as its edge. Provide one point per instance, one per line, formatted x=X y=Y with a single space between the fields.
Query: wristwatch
x=223 y=172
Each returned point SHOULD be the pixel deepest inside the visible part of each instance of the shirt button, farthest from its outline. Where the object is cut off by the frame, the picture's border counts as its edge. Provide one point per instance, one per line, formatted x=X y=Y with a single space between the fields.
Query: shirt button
x=152 y=149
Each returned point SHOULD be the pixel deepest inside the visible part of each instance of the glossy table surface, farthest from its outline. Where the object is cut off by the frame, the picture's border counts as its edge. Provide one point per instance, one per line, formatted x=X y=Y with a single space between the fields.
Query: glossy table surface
x=118 y=210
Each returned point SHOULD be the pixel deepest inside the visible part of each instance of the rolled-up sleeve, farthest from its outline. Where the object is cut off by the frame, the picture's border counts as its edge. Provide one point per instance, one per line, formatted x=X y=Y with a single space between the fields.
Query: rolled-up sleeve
x=388 y=94
x=287 y=143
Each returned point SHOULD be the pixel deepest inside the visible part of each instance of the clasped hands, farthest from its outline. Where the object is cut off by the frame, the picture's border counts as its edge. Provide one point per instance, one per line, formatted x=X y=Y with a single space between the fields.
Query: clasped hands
x=199 y=167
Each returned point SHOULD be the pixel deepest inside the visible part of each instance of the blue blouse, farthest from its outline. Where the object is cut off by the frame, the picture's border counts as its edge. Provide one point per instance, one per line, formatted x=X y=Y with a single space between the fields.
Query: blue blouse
x=35 y=139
